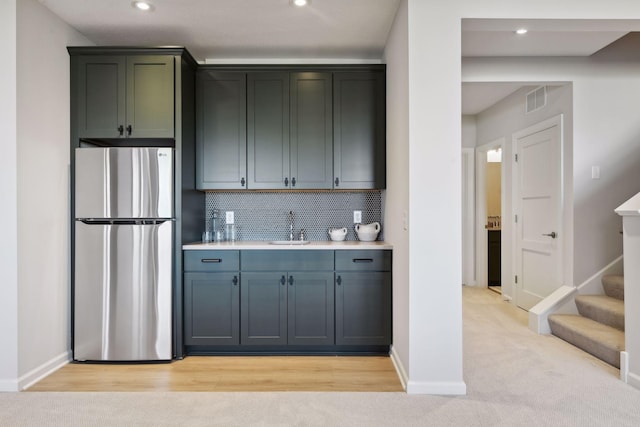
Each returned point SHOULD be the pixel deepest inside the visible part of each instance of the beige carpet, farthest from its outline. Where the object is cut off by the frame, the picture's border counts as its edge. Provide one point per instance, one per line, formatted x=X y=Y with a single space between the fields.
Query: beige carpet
x=514 y=378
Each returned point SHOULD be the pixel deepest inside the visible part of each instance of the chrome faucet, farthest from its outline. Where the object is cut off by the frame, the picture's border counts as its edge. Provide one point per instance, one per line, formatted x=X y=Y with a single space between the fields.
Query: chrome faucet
x=290 y=225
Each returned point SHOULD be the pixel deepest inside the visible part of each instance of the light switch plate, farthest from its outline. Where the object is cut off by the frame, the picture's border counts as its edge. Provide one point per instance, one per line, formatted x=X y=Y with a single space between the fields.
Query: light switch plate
x=595 y=172
x=230 y=217
x=357 y=217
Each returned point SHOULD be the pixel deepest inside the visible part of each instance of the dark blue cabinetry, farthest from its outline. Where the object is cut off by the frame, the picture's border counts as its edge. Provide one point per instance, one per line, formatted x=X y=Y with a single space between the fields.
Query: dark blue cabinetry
x=287 y=301
x=363 y=297
x=212 y=298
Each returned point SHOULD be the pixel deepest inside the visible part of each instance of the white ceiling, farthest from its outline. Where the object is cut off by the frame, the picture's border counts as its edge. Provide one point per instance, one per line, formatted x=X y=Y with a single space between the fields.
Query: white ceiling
x=338 y=29
x=560 y=37
x=477 y=97
x=333 y=30
x=557 y=37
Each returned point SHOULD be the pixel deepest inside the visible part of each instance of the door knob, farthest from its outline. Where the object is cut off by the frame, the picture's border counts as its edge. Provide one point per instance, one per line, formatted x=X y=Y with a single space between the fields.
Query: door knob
x=553 y=235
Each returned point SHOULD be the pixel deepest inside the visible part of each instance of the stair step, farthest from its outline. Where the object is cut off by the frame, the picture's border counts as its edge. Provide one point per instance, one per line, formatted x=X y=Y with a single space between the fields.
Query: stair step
x=602 y=341
x=603 y=309
x=613 y=285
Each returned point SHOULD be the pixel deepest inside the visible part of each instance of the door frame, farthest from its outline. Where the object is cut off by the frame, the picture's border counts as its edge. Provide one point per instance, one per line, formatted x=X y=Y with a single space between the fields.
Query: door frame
x=468 y=217
x=481 y=207
x=557 y=121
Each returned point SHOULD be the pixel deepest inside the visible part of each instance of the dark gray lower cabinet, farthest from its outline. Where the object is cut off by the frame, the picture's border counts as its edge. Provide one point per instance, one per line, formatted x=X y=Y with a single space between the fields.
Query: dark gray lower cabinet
x=281 y=301
x=363 y=308
x=310 y=308
x=211 y=298
x=363 y=297
x=287 y=308
x=212 y=316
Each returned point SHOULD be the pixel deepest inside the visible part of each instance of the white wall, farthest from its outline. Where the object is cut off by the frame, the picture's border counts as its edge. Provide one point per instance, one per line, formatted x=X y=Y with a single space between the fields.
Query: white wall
x=43 y=182
x=434 y=188
x=469 y=131
x=502 y=120
x=8 y=196
x=397 y=193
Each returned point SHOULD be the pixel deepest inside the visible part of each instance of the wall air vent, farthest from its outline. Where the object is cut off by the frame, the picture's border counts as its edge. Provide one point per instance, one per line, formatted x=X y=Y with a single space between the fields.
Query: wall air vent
x=536 y=99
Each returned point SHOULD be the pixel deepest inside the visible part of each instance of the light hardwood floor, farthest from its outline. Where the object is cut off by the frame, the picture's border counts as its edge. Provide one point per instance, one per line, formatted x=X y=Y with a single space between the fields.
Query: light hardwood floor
x=231 y=373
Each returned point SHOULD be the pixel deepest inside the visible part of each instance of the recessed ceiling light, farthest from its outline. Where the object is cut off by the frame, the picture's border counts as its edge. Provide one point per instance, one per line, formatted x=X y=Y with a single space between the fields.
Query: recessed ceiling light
x=521 y=31
x=142 y=5
x=300 y=3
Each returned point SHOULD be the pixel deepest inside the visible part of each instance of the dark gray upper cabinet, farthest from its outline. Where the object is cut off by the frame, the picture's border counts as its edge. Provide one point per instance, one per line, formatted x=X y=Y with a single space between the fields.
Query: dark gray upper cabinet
x=221 y=130
x=306 y=128
x=290 y=141
x=268 y=130
x=359 y=130
x=311 y=152
x=125 y=96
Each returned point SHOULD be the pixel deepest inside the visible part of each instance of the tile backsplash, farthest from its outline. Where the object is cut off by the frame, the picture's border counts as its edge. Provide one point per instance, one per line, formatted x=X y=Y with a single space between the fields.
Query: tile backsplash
x=264 y=215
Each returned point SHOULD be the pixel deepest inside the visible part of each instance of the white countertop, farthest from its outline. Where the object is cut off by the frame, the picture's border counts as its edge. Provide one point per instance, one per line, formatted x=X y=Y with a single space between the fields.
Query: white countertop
x=261 y=245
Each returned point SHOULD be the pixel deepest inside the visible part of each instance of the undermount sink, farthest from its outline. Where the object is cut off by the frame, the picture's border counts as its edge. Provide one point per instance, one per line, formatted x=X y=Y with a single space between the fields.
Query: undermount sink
x=289 y=242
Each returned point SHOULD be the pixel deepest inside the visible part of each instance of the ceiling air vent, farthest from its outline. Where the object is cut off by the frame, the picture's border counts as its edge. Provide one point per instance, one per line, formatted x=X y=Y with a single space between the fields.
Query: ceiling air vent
x=536 y=99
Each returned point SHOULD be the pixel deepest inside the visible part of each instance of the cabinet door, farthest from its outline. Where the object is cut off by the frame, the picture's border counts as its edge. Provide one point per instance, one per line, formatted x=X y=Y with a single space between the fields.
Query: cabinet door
x=211 y=308
x=221 y=131
x=263 y=309
x=363 y=308
x=310 y=308
x=311 y=162
x=150 y=96
x=268 y=130
x=100 y=95
x=359 y=130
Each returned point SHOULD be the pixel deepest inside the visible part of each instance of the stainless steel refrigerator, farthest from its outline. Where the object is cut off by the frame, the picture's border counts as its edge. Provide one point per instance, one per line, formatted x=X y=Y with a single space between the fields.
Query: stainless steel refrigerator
x=123 y=254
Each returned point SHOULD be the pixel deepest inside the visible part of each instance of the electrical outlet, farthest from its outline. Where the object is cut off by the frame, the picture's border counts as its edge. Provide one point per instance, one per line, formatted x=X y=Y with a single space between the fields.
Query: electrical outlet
x=357 y=217
x=230 y=217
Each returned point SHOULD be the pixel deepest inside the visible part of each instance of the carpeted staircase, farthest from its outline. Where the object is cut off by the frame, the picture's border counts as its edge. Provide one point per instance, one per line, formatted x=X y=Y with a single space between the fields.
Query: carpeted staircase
x=599 y=328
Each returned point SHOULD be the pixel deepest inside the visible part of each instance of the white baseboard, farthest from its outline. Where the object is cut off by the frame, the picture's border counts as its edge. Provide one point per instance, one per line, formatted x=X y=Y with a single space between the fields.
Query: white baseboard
x=397 y=363
x=633 y=380
x=8 y=385
x=35 y=375
x=440 y=388
x=624 y=366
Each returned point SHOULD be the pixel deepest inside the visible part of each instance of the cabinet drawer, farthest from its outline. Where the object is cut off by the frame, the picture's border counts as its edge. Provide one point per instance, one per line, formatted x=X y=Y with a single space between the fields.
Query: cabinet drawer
x=363 y=260
x=211 y=260
x=279 y=260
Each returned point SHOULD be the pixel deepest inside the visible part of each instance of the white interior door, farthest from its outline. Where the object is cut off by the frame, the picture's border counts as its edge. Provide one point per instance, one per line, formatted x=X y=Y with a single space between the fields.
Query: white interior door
x=537 y=198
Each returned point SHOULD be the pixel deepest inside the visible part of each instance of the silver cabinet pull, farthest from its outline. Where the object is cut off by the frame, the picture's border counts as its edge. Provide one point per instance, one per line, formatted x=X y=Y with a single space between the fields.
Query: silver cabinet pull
x=553 y=235
x=216 y=260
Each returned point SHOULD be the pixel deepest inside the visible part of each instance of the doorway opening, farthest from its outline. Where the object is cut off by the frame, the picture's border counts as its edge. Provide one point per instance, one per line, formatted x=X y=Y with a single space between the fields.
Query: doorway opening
x=489 y=213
